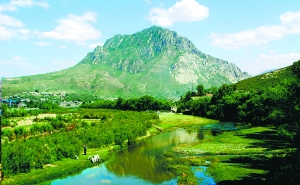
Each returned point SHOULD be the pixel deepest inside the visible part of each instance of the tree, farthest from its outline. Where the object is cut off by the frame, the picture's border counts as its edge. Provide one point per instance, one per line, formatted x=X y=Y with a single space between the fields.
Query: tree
x=296 y=68
x=200 y=90
x=213 y=90
x=119 y=104
x=223 y=91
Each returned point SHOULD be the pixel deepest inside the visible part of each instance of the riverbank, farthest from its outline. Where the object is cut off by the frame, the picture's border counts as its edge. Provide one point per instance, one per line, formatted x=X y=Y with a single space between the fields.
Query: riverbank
x=181 y=167
x=60 y=169
x=240 y=155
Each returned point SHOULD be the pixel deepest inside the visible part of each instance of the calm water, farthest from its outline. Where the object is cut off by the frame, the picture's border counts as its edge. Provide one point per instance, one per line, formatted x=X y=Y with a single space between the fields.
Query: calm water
x=142 y=164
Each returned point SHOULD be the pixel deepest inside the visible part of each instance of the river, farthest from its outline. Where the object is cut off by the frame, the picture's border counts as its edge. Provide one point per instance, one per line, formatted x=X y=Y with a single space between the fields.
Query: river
x=144 y=163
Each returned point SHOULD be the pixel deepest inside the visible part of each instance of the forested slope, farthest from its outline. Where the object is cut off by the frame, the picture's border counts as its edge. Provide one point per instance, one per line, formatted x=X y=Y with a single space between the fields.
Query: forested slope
x=269 y=99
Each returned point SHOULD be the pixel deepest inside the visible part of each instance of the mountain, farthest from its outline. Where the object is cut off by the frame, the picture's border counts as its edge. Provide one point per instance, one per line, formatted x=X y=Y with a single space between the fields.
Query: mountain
x=155 y=61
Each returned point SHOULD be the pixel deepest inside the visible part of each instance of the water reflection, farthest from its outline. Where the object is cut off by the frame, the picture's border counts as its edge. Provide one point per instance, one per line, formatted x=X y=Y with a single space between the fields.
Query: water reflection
x=215 y=129
x=146 y=161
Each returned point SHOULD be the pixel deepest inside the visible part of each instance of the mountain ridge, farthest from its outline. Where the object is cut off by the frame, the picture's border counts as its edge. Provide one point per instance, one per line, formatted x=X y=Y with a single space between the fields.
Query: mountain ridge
x=154 y=61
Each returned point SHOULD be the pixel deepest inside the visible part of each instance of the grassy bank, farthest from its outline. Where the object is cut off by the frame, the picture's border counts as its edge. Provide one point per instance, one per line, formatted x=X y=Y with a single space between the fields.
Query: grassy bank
x=239 y=155
x=59 y=169
x=170 y=121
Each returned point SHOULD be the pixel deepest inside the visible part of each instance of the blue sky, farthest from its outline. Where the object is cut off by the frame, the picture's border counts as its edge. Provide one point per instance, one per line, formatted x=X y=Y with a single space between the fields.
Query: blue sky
x=40 y=36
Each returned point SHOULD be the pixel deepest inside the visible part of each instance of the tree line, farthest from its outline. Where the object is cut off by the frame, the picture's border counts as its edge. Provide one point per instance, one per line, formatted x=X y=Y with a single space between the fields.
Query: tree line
x=134 y=104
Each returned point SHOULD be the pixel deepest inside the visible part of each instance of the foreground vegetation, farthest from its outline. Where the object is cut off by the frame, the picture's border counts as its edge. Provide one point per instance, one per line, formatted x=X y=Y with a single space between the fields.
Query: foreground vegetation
x=59 y=169
x=61 y=138
x=266 y=152
x=242 y=154
x=275 y=104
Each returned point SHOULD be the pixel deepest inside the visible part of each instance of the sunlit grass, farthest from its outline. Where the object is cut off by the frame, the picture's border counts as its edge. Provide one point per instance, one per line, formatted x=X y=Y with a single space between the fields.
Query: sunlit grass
x=169 y=120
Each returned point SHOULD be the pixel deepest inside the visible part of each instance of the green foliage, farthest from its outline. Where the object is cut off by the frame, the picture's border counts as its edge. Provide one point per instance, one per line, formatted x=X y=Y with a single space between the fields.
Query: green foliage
x=80 y=97
x=199 y=107
x=49 y=106
x=12 y=112
x=296 y=68
x=135 y=104
x=7 y=132
x=4 y=121
x=44 y=146
x=200 y=90
x=280 y=77
x=269 y=99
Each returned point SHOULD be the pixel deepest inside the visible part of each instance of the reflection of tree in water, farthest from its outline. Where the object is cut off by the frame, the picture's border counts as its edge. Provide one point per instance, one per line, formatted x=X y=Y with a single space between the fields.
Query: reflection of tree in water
x=216 y=132
x=203 y=134
x=147 y=165
x=146 y=161
x=216 y=129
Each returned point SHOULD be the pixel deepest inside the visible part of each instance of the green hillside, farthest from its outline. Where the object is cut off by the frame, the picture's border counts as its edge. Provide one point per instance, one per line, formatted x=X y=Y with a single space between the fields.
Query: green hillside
x=281 y=76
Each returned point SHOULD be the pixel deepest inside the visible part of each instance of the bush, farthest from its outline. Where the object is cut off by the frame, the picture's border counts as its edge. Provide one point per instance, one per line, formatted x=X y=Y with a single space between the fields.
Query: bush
x=5 y=122
x=8 y=132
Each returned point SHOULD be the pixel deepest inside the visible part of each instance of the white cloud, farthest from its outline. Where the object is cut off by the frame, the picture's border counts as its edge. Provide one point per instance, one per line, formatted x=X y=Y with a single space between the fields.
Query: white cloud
x=10 y=21
x=183 y=11
x=9 y=33
x=292 y=21
x=147 y=1
x=63 y=47
x=7 y=7
x=29 y=3
x=290 y=24
x=11 y=27
x=270 y=61
x=14 y=4
x=105 y=181
x=282 y=59
x=18 y=58
x=95 y=45
x=74 y=28
x=6 y=34
x=254 y=37
x=43 y=44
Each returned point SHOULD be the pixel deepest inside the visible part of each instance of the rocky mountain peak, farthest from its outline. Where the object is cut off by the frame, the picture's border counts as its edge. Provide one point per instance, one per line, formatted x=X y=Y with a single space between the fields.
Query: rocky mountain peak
x=151 y=42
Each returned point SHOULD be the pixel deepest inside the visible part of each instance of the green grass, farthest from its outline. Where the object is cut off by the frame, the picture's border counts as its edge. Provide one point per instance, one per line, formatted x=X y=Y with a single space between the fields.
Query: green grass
x=226 y=171
x=171 y=121
x=228 y=143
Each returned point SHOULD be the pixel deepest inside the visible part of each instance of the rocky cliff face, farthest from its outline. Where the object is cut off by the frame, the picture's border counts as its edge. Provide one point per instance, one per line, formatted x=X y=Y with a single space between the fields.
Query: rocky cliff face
x=186 y=64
